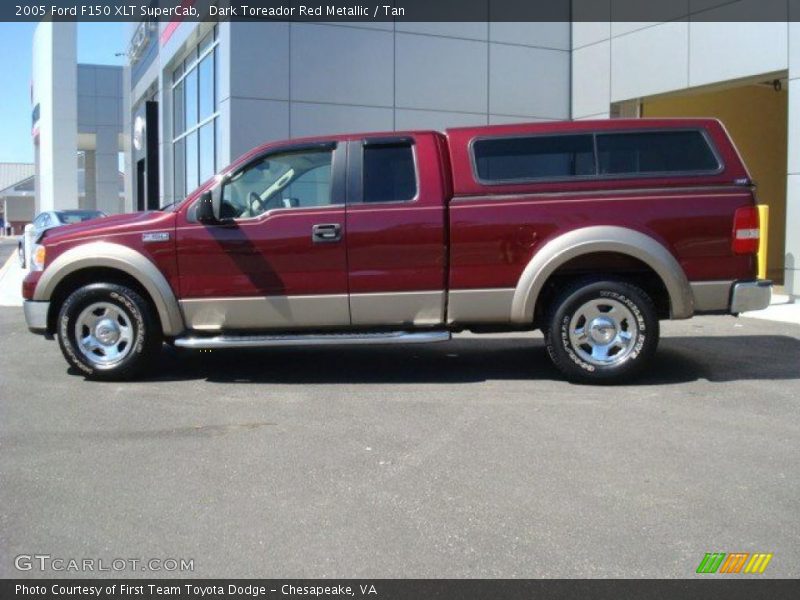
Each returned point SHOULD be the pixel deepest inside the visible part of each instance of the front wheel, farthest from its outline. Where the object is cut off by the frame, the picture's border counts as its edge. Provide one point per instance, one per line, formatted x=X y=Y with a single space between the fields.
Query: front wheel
x=108 y=331
x=601 y=331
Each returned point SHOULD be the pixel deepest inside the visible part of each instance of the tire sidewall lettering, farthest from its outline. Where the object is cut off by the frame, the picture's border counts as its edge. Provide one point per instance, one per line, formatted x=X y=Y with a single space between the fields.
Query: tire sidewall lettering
x=133 y=311
x=67 y=321
x=68 y=345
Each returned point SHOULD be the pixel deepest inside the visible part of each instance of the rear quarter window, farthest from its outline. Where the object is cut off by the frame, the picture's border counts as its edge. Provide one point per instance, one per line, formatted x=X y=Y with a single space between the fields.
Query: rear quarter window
x=389 y=173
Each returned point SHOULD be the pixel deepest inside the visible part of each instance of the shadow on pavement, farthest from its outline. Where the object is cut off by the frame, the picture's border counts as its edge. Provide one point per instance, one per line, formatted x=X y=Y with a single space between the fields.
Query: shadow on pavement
x=679 y=360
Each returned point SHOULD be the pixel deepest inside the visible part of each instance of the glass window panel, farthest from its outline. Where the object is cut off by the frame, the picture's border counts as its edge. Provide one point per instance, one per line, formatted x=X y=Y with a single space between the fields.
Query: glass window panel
x=176 y=74
x=389 y=174
x=179 y=156
x=217 y=144
x=313 y=188
x=655 y=152
x=206 y=151
x=179 y=106
x=523 y=158
x=217 y=94
x=191 y=98
x=191 y=162
x=206 y=81
x=206 y=42
x=291 y=180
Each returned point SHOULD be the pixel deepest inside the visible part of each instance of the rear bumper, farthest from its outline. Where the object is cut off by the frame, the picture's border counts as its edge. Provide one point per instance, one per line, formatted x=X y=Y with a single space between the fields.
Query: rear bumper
x=36 y=315
x=750 y=295
x=730 y=297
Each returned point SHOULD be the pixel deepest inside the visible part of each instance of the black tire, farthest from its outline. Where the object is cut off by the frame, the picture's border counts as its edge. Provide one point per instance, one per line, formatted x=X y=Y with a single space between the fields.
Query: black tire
x=588 y=325
x=135 y=348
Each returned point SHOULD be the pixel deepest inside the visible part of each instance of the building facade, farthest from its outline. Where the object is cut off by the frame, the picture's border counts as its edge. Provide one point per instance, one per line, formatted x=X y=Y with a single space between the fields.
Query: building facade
x=16 y=196
x=216 y=90
x=76 y=125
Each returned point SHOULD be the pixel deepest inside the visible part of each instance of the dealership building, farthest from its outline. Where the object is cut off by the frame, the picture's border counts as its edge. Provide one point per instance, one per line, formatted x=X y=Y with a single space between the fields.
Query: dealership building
x=197 y=95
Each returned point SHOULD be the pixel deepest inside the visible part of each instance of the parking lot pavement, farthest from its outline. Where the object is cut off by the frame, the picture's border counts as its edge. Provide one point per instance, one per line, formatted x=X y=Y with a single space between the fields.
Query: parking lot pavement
x=11 y=274
x=467 y=459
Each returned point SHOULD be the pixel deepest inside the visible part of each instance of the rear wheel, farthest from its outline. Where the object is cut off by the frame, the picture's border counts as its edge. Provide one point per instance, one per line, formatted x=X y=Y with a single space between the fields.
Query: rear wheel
x=108 y=331
x=602 y=331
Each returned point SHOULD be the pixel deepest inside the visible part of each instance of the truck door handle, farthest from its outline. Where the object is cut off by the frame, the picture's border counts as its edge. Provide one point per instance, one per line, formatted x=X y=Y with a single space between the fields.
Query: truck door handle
x=326 y=233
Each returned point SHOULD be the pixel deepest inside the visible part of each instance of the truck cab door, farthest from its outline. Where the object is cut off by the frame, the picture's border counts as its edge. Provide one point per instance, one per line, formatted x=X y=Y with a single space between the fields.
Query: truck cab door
x=278 y=260
x=395 y=222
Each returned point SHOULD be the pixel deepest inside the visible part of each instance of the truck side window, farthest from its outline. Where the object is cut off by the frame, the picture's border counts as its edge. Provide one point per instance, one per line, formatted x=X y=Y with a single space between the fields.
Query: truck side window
x=288 y=180
x=535 y=157
x=389 y=173
x=655 y=152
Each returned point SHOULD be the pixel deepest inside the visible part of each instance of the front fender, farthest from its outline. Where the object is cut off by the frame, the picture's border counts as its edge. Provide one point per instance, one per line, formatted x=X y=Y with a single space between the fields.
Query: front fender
x=122 y=258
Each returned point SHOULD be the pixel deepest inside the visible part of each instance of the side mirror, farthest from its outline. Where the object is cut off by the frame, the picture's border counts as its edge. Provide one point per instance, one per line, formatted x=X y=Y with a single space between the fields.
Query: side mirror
x=205 y=212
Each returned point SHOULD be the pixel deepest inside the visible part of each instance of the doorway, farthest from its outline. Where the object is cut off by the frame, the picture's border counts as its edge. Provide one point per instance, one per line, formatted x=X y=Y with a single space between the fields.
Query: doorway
x=141 y=190
x=755 y=115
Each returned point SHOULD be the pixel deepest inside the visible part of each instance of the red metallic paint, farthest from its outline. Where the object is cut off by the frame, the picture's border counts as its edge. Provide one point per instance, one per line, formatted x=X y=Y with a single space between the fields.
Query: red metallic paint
x=496 y=229
x=399 y=247
x=29 y=284
x=465 y=184
x=125 y=230
x=492 y=231
x=491 y=241
x=273 y=255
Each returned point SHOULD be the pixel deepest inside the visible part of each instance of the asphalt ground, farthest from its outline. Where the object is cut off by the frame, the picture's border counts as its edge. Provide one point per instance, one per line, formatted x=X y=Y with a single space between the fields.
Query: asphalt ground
x=465 y=459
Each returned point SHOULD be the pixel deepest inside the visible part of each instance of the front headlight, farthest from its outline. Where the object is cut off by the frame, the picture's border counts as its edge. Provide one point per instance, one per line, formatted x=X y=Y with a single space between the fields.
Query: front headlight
x=38 y=253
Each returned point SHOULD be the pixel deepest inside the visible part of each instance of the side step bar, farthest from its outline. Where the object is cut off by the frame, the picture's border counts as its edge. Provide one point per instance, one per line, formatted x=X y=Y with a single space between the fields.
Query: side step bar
x=331 y=339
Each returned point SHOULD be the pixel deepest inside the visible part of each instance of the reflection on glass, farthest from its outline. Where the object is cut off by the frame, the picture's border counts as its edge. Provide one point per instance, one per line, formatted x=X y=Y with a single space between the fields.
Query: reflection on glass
x=206 y=70
x=206 y=151
x=180 y=169
x=194 y=100
x=191 y=161
x=191 y=98
x=179 y=116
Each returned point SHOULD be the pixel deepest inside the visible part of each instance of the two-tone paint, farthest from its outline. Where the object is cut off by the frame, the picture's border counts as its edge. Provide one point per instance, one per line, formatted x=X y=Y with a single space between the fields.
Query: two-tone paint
x=462 y=253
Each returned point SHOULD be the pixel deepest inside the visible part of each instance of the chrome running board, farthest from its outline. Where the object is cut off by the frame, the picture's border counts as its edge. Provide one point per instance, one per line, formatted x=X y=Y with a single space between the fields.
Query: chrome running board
x=317 y=339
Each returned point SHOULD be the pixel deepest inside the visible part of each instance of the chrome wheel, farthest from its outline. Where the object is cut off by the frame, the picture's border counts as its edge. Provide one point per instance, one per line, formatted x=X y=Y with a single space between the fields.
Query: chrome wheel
x=603 y=332
x=104 y=334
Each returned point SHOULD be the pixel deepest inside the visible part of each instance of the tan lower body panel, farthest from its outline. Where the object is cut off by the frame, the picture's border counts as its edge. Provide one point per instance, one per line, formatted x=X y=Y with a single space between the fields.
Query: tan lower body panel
x=271 y=312
x=480 y=306
x=711 y=295
x=287 y=312
x=398 y=308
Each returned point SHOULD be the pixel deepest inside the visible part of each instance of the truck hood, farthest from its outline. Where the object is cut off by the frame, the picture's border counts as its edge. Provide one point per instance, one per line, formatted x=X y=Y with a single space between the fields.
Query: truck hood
x=106 y=226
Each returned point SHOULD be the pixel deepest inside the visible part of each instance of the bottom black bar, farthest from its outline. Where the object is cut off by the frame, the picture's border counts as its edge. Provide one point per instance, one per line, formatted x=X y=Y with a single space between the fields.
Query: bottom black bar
x=401 y=589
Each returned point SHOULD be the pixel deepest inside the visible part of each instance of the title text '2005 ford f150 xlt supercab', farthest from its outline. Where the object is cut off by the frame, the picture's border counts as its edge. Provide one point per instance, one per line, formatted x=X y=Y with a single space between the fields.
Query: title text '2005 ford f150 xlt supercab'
x=591 y=231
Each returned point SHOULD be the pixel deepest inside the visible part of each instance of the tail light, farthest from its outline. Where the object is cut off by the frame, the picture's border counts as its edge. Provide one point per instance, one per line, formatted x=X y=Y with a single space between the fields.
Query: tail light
x=745 y=230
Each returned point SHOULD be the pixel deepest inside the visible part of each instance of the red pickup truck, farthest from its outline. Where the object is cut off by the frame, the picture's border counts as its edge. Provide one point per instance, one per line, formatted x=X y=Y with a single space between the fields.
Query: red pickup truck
x=591 y=231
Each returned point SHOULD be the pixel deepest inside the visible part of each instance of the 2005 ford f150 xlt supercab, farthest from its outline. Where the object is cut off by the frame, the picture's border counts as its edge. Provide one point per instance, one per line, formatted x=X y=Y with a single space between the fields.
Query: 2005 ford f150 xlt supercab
x=591 y=231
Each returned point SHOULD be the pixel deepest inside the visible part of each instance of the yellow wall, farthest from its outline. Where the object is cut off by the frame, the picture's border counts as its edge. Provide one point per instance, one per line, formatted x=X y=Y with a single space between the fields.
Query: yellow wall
x=755 y=116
